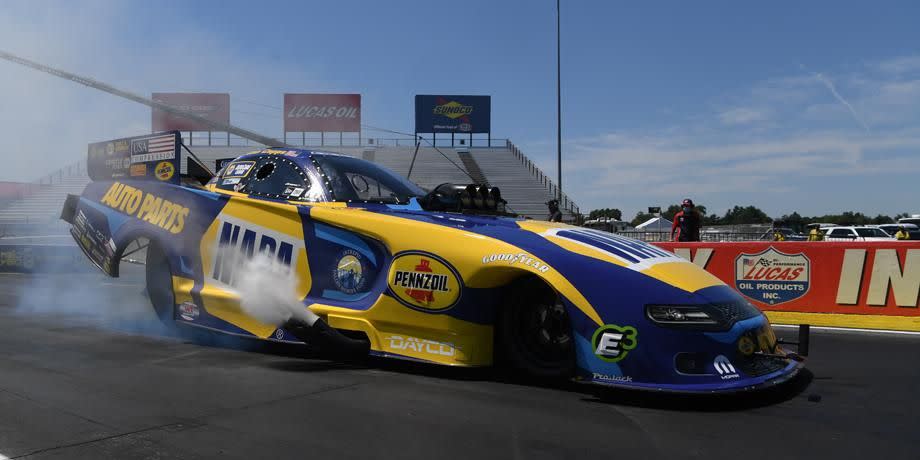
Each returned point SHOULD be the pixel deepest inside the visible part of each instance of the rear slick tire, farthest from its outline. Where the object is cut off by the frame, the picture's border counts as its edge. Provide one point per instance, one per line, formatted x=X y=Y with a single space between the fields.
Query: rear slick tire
x=159 y=284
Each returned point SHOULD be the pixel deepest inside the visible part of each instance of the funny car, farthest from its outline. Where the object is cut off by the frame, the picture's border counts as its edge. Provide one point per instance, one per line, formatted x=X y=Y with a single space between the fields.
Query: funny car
x=442 y=276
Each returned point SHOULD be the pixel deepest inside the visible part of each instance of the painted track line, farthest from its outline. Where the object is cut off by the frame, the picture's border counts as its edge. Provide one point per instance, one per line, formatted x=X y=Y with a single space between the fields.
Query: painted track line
x=849 y=330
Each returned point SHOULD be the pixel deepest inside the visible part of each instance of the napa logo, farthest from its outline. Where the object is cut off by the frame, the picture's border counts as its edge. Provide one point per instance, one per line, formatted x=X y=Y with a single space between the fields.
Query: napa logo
x=238 y=241
x=772 y=277
x=424 y=281
x=453 y=110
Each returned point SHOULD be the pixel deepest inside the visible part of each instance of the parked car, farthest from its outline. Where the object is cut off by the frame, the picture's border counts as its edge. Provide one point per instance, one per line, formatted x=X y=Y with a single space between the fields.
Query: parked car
x=857 y=234
x=891 y=229
x=788 y=234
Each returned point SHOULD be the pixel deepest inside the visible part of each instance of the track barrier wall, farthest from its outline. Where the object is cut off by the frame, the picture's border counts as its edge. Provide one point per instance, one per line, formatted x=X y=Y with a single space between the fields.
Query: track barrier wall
x=872 y=285
x=37 y=258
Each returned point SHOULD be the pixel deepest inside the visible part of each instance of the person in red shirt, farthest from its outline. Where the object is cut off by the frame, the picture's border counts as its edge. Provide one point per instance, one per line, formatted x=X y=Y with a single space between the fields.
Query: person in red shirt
x=686 y=225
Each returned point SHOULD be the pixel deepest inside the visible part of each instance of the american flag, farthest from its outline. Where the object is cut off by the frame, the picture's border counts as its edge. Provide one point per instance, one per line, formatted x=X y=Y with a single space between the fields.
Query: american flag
x=158 y=148
x=748 y=262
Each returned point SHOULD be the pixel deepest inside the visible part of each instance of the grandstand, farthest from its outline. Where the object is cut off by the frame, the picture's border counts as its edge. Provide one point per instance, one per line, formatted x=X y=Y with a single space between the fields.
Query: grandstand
x=41 y=206
x=523 y=184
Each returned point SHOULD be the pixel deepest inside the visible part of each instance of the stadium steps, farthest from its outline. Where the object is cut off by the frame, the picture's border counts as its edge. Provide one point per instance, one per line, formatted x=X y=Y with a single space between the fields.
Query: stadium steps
x=43 y=206
x=526 y=190
x=522 y=183
x=472 y=167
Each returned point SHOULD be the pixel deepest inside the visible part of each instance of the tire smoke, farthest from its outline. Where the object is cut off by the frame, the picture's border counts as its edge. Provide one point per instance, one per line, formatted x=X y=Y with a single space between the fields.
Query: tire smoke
x=268 y=291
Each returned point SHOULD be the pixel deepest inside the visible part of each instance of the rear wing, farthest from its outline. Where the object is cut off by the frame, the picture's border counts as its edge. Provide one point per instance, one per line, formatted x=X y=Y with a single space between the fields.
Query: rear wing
x=154 y=157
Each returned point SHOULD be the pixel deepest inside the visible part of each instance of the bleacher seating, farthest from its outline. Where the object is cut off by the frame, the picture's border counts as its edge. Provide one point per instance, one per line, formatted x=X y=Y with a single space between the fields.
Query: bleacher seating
x=526 y=190
x=522 y=184
x=42 y=208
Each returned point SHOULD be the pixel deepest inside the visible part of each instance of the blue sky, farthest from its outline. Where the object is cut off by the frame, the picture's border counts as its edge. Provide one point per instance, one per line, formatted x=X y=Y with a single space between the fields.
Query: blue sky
x=806 y=106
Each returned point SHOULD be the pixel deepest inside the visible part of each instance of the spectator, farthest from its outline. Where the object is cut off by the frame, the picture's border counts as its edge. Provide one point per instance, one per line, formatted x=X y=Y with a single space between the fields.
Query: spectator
x=778 y=235
x=815 y=234
x=686 y=223
x=555 y=215
x=902 y=234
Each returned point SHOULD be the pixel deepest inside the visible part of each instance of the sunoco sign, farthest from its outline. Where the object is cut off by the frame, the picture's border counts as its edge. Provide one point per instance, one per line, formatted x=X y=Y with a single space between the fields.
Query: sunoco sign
x=453 y=114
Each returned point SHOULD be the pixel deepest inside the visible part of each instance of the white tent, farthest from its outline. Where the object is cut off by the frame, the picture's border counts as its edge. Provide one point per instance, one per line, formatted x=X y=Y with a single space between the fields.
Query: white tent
x=655 y=224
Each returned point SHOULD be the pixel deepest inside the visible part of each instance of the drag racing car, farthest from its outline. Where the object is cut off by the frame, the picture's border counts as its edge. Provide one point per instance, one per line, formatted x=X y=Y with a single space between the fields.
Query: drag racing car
x=385 y=268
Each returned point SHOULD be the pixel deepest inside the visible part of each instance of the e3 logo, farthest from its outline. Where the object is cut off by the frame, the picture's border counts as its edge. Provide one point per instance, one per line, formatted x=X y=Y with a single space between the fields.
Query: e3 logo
x=612 y=343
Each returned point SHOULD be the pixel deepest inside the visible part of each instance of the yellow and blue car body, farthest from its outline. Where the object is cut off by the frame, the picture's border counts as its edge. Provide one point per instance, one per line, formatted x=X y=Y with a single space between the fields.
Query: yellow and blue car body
x=420 y=285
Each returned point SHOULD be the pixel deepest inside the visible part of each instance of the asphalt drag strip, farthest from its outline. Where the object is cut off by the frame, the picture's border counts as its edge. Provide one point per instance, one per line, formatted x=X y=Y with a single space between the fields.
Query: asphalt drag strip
x=86 y=371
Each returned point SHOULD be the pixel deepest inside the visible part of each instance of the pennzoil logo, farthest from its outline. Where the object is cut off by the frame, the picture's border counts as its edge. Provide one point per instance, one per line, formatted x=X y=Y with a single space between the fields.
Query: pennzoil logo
x=453 y=110
x=146 y=207
x=424 y=281
x=164 y=170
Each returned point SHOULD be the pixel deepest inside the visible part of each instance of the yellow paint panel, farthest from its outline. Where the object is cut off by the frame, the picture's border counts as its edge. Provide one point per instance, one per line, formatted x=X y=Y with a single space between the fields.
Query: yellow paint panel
x=222 y=304
x=894 y=323
x=231 y=193
x=470 y=343
x=226 y=306
x=278 y=217
x=540 y=226
x=683 y=275
x=182 y=289
x=461 y=248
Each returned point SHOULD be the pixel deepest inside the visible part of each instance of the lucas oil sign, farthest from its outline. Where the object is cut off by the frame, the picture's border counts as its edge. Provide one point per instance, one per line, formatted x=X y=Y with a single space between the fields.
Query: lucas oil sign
x=322 y=112
x=772 y=277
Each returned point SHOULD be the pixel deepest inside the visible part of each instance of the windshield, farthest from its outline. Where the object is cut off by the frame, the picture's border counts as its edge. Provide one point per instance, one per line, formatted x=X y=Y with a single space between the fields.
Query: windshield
x=871 y=233
x=358 y=180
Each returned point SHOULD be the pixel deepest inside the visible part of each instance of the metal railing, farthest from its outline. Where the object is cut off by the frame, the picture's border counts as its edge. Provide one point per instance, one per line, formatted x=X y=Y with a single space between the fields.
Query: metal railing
x=566 y=202
x=218 y=139
x=73 y=169
x=655 y=237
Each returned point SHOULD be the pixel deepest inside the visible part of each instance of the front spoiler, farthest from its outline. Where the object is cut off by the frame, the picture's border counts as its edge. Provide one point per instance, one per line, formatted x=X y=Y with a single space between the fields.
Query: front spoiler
x=743 y=385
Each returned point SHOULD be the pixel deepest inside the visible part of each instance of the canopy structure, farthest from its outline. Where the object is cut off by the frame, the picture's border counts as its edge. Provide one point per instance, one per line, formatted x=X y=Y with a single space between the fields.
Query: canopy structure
x=655 y=224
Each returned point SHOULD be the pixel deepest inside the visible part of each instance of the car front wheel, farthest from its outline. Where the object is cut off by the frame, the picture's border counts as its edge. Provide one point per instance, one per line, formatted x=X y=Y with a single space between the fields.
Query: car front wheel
x=534 y=333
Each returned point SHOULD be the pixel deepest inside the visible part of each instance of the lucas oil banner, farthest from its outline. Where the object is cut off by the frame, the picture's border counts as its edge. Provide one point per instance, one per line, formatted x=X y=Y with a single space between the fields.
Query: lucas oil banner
x=453 y=114
x=848 y=284
x=322 y=113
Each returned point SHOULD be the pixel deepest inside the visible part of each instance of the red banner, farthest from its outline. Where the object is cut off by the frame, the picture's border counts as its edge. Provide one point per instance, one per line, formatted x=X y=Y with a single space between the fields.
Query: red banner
x=213 y=106
x=863 y=278
x=322 y=113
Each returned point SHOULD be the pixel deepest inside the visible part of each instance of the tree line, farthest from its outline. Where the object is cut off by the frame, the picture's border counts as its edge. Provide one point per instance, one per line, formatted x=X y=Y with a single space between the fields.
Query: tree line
x=741 y=215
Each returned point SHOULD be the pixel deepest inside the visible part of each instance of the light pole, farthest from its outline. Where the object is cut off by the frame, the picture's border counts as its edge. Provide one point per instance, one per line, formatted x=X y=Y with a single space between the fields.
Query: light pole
x=558 y=107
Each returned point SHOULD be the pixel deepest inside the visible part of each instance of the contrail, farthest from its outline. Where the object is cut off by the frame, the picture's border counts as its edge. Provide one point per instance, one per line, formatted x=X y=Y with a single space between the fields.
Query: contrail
x=833 y=89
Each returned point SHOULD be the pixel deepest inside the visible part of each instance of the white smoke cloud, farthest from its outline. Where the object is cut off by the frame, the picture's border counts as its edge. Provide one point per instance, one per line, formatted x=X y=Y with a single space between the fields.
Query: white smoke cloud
x=46 y=122
x=90 y=298
x=268 y=290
